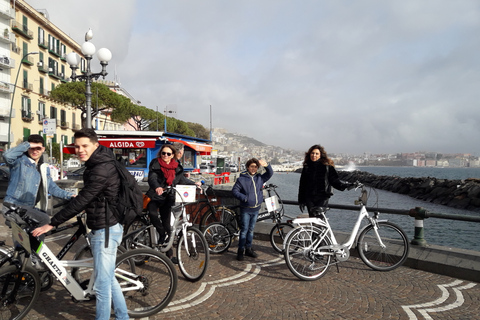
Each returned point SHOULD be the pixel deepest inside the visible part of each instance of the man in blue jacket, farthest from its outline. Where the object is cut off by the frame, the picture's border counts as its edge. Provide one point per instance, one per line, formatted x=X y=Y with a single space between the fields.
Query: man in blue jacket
x=248 y=189
x=30 y=179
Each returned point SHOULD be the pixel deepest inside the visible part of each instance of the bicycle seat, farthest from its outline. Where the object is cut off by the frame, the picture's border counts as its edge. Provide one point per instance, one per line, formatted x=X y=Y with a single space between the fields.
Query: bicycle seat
x=319 y=212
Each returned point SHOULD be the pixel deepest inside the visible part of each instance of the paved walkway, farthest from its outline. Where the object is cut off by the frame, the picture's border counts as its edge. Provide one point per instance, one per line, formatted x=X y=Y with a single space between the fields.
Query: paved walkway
x=264 y=288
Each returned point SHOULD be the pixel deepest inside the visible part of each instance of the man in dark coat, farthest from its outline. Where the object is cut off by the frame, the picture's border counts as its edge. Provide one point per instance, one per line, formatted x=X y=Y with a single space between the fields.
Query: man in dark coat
x=101 y=184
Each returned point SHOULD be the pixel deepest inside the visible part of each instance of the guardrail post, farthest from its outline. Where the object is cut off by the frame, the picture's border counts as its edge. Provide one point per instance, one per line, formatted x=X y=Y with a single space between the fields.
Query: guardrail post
x=419 y=214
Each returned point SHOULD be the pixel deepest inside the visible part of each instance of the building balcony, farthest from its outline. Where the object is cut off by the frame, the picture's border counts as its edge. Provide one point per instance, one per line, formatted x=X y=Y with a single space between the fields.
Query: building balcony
x=56 y=75
x=42 y=92
x=64 y=125
x=27 y=86
x=28 y=60
x=41 y=67
x=43 y=44
x=7 y=63
x=8 y=14
x=8 y=37
x=5 y=87
x=22 y=29
x=27 y=116
x=16 y=49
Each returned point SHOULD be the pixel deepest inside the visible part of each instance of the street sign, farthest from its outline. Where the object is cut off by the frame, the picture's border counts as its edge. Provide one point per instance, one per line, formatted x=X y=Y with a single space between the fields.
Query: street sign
x=49 y=126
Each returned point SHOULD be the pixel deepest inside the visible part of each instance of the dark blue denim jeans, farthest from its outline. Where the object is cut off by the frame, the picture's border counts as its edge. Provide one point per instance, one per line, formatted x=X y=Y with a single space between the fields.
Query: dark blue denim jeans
x=248 y=219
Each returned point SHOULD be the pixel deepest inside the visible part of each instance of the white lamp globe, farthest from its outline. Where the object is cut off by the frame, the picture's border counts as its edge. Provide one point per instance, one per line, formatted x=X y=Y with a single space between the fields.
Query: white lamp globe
x=104 y=55
x=88 y=48
x=73 y=59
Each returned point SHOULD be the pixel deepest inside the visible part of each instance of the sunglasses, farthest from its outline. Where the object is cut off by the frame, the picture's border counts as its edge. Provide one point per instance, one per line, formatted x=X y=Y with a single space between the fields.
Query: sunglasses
x=36 y=149
x=166 y=154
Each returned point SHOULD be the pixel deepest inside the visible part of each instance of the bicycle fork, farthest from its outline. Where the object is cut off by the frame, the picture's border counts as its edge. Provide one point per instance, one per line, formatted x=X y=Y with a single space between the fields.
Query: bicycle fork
x=374 y=223
x=185 y=239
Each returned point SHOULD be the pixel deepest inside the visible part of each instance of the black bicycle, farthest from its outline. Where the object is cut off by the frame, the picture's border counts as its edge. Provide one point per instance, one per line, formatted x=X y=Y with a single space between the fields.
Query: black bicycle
x=208 y=212
x=220 y=235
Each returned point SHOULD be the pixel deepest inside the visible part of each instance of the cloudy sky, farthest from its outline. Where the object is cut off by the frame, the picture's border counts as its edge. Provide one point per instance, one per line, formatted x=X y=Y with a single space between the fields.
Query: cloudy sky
x=355 y=76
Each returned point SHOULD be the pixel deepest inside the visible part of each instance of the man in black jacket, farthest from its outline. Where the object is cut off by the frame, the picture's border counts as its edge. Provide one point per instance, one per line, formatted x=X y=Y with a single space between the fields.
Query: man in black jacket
x=101 y=183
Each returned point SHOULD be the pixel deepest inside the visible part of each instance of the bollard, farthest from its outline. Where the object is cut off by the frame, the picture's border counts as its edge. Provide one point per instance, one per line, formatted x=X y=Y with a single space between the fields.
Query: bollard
x=419 y=214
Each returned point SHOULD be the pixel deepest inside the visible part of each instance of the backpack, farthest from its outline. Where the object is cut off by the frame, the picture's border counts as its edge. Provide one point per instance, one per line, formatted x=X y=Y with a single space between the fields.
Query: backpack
x=130 y=197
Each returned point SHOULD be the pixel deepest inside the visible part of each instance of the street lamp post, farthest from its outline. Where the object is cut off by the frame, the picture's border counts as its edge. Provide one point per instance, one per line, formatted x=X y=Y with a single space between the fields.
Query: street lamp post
x=73 y=59
x=165 y=119
x=13 y=95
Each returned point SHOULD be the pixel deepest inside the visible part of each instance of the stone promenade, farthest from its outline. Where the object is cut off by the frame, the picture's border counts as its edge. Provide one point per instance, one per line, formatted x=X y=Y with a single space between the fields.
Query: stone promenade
x=264 y=288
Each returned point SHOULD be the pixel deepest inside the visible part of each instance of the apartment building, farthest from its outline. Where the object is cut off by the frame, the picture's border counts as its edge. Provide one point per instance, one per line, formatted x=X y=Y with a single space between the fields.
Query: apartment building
x=36 y=51
x=7 y=63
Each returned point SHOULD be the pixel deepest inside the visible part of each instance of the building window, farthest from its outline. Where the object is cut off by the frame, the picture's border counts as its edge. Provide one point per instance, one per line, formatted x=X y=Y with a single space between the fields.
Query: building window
x=26 y=134
x=73 y=120
x=41 y=110
x=52 y=67
x=25 y=79
x=41 y=38
x=26 y=107
x=42 y=89
x=63 y=118
x=53 y=112
x=63 y=51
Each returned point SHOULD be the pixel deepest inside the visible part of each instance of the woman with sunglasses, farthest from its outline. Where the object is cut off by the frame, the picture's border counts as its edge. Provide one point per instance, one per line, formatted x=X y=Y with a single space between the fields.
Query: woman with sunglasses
x=164 y=171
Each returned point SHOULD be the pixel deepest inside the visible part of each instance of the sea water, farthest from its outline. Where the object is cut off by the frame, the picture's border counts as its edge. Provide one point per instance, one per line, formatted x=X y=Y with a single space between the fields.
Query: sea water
x=449 y=233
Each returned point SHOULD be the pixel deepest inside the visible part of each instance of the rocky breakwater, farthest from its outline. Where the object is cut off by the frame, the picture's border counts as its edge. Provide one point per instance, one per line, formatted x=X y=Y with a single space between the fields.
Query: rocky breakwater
x=463 y=194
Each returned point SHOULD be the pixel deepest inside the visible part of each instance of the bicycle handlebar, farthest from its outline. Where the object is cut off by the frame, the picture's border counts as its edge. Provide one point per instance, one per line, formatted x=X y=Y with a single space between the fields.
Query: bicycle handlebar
x=270 y=186
x=20 y=217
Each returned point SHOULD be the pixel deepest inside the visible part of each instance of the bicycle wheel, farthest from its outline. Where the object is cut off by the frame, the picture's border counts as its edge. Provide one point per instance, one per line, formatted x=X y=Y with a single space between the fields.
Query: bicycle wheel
x=278 y=234
x=221 y=214
x=192 y=254
x=391 y=255
x=302 y=260
x=157 y=275
x=218 y=237
x=18 y=291
x=140 y=240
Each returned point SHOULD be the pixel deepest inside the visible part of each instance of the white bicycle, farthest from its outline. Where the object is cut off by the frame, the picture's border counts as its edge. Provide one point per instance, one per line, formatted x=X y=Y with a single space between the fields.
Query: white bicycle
x=148 y=288
x=311 y=247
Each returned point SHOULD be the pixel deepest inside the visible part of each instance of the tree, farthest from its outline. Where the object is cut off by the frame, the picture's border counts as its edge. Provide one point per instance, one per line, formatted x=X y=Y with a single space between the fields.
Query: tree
x=140 y=117
x=199 y=130
x=103 y=99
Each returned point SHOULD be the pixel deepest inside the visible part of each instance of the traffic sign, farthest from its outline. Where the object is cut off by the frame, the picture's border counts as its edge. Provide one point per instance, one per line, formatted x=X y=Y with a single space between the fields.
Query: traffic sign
x=49 y=126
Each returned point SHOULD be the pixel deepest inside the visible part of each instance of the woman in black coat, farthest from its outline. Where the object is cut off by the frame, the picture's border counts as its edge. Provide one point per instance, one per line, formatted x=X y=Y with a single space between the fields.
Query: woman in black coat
x=163 y=171
x=317 y=179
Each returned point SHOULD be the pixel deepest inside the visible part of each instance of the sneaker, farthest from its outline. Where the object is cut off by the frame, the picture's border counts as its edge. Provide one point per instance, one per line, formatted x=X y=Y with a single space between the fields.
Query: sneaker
x=174 y=260
x=250 y=253
x=240 y=254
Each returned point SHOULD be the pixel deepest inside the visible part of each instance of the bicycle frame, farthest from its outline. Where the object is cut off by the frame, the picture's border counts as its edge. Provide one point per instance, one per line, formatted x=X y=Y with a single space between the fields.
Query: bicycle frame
x=363 y=214
x=180 y=223
x=204 y=202
x=58 y=267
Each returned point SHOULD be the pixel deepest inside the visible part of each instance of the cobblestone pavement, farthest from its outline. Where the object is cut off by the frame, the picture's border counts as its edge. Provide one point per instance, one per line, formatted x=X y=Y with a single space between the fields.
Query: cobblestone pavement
x=264 y=288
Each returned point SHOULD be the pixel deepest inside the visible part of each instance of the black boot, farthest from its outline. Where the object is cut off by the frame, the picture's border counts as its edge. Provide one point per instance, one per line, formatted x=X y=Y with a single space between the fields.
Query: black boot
x=250 y=253
x=240 y=254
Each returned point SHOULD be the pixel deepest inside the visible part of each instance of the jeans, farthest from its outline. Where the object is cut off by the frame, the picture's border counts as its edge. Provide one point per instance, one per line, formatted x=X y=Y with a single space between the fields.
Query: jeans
x=106 y=286
x=248 y=220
